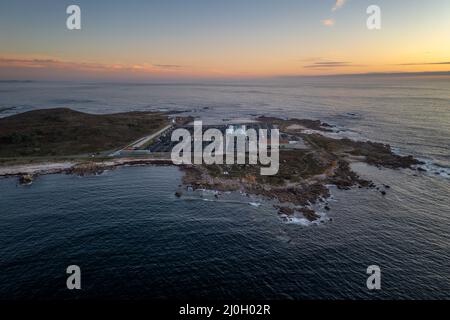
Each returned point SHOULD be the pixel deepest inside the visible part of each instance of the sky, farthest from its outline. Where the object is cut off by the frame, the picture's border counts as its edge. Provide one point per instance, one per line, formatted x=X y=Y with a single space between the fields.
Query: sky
x=146 y=39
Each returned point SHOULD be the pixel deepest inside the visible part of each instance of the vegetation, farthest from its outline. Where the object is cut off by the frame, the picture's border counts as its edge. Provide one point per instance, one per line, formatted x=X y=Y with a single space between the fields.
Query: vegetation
x=295 y=165
x=377 y=154
x=65 y=132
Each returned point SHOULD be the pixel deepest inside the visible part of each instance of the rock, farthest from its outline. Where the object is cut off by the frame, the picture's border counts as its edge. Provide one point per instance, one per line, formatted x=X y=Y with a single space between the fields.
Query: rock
x=387 y=186
x=286 y=211
x=26 y=179
x=327 y=208
x=383 y=192
x=87 y=169
x=178 y=194
x=421 y=169
x=309 y=214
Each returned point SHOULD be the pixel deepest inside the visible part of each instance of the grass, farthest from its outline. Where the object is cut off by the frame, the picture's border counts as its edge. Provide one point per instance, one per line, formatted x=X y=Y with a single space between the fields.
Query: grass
x=65 y=132
x=295 y=165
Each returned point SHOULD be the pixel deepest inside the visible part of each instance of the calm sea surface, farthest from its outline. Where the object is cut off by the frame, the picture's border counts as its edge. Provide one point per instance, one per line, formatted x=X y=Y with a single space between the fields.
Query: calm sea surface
x=133 y=238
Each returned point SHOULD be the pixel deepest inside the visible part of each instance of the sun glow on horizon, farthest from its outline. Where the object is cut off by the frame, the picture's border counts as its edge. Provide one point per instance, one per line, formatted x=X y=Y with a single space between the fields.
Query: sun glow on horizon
x=234 y=39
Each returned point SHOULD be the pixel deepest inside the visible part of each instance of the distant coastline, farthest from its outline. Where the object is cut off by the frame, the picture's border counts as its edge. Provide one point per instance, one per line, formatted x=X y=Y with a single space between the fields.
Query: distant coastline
x=375 y=74
x=202 y=81
x=17 y=81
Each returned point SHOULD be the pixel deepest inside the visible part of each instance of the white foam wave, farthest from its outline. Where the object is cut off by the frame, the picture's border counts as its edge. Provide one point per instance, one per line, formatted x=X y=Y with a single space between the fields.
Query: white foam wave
x=295 y=220
x=255 y=204
x=434 y=169
x=429 y=166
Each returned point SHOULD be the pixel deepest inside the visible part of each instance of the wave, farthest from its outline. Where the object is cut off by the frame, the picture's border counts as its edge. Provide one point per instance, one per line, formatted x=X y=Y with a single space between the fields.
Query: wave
x=254 y=204
x=430 y=167
x=295 y=220
x=216 y=200
x=305 y=222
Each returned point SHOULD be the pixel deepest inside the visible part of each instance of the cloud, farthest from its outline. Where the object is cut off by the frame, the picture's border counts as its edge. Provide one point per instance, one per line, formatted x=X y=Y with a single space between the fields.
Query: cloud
x=328 y=22
x=424 y=63
x=330 y=64
x=48 y=63
x=169 y=66
x=339 y=4
x=85 y=66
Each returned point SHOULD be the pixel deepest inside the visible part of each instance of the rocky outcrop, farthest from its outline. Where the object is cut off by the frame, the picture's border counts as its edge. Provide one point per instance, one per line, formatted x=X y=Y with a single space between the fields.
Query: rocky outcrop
x=306 y=212
x=305 y=123
x=26 y=179
x=303 y=174
x=344 y=178
x=285 y=210
x=87 y=169
x=309 y=214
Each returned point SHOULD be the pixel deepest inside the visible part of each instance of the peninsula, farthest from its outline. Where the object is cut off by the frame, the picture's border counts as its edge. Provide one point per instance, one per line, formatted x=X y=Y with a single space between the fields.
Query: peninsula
x=66 y=141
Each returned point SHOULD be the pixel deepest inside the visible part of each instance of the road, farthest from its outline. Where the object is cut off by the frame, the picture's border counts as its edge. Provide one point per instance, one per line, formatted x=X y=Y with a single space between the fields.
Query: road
x=142 y=141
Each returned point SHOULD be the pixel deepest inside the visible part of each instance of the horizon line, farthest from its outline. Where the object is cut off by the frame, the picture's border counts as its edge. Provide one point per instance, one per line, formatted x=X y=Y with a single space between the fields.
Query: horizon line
x=184 y=79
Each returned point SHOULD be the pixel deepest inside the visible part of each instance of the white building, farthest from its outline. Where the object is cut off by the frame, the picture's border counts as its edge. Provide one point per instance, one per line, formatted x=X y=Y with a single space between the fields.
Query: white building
x=238 y=130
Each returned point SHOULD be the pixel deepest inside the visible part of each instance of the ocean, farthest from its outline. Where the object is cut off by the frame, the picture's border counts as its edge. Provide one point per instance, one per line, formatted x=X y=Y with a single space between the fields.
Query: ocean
x=133 y=239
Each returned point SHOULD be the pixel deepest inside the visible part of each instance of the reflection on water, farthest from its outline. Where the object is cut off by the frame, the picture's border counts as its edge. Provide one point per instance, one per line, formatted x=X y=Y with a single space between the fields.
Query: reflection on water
x=134 y=239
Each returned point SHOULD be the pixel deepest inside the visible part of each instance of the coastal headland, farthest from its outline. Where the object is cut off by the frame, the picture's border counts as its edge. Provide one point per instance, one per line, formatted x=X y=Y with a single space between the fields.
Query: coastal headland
x=66 y=141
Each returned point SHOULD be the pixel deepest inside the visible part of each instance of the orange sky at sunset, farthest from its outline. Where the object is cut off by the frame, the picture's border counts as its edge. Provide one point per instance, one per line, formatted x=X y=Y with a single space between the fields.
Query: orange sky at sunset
x=296 y=38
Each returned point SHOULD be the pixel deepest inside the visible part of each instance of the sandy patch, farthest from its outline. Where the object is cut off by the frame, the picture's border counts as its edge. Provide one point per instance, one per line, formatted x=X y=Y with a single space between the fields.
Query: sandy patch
x=35 y=168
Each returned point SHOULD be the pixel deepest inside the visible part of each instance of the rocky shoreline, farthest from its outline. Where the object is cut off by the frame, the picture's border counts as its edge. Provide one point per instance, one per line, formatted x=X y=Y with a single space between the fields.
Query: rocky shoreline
x=302 y=182
x=28 y=173
x=305 y=174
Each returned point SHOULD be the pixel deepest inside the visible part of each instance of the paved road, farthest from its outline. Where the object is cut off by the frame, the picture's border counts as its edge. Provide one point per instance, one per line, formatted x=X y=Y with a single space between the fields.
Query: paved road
x=139 y=143
x=142 y=141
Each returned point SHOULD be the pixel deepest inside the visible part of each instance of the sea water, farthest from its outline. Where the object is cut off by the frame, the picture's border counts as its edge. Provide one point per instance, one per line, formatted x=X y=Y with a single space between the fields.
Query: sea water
x=133 y=238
